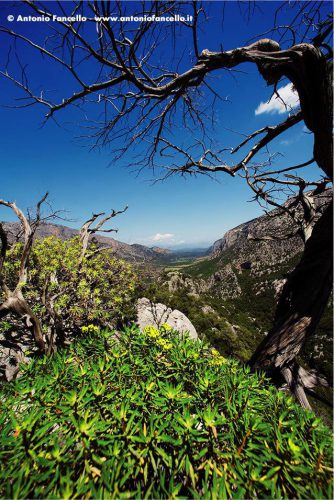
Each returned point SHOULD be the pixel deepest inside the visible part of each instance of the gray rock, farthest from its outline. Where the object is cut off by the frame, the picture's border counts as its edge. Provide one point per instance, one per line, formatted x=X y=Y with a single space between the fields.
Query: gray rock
x=278 y=287
x=14 y=350
x=178 y=281
x=209 y=310
x=155 y=314
x=10 y=361
x=225 y=282
x=264 y=242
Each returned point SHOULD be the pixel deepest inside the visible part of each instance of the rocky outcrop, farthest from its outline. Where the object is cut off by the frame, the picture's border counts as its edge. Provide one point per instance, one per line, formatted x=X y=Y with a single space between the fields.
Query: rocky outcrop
x=225 y=283
x=262 y=249
x=155 y=314
x=233 y=237
x=177 y=281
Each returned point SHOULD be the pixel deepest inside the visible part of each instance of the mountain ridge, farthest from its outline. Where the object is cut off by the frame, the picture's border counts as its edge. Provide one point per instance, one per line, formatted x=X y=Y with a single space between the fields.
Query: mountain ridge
x=133 y=252
x=273 y=229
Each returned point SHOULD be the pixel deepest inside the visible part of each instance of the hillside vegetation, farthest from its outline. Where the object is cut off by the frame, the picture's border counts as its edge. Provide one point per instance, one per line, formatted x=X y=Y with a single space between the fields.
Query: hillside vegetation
x=152 y=415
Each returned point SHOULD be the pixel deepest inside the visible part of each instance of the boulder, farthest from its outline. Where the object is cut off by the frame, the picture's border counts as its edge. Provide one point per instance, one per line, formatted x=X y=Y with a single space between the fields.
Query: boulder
x=155 y=314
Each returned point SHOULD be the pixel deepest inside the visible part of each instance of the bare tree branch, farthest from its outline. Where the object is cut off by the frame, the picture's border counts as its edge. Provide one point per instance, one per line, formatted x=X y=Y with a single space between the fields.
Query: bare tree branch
x=87 y=230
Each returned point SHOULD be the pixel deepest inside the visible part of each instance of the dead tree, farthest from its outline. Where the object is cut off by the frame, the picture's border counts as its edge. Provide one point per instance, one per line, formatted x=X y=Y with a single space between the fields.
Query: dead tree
x=141 y=98
x=14 y=301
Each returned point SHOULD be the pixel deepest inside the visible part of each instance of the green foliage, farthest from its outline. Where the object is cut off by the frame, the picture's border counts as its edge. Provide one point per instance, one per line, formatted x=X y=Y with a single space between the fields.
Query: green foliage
x=150 y=415
x=202 y=267
x=5 y=326
x=252 y=315
x=97 y=289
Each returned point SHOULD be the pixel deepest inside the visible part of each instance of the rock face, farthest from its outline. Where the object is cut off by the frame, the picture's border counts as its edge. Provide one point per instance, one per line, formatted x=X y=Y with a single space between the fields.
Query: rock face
x=155 y=314
x=261 y=249
x=265 y=240
x=226 y=283
x=233 y=237
x=176 y=281
x=250 y=247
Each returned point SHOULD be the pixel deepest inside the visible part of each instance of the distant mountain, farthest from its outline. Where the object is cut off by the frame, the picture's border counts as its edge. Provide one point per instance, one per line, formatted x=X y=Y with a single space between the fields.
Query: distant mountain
x=188 y=252
x=161 y=251
x=134 y=253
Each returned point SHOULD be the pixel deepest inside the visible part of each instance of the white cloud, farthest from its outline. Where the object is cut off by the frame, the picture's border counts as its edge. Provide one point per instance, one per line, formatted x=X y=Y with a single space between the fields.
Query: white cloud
x=287 y=142
x=162 y=236
x=286 y=102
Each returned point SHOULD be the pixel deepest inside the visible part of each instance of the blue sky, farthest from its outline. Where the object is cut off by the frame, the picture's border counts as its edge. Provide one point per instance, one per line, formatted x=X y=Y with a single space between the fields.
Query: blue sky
x=177 y=212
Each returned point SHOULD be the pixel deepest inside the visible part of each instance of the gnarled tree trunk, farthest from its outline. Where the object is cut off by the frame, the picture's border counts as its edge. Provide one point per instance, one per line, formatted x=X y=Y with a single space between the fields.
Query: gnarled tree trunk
x=300 y=307
x=16 y=304
x=308 y=288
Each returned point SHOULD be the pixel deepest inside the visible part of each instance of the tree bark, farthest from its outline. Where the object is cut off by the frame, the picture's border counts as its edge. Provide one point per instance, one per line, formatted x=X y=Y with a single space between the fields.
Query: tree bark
x=314 y=82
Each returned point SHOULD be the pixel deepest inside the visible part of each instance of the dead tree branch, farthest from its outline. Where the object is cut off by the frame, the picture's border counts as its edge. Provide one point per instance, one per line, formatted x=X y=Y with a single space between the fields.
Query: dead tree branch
x=87 y=230
x=14 y=301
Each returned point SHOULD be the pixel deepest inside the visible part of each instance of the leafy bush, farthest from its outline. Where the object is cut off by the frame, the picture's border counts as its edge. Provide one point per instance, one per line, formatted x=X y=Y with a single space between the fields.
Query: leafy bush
x=151 y=415
x=69 y=292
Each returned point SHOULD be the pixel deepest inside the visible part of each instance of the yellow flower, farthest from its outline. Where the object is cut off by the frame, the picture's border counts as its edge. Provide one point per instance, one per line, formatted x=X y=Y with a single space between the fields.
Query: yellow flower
x=90 y=329
x=218 y=361
x=164 y=344
x=166 y=327
x=194 y=355
x=151 y=332
x=214 y=352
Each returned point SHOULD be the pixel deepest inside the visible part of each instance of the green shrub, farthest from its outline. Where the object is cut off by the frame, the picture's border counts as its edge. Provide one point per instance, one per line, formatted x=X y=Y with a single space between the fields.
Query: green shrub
x=69 y=292
x=154 y=416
